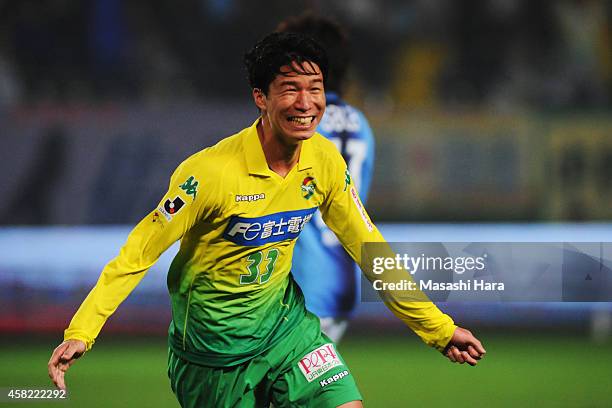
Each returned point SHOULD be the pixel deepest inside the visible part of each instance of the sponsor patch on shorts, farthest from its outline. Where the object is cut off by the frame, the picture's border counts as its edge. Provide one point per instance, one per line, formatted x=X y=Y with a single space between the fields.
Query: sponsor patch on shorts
x=334 y=378
x=319 y=361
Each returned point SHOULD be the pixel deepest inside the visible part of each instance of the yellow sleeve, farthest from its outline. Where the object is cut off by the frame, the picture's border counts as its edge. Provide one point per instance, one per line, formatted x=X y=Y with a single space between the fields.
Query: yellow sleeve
x=346 y=216
x=182 y=206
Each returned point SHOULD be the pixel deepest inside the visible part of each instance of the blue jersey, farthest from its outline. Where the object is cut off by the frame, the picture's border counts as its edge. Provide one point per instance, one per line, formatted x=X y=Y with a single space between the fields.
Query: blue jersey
x=322 y=268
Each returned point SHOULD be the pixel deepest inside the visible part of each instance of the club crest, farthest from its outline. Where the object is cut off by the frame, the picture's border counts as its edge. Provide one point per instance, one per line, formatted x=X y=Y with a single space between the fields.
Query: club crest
x=308 y=187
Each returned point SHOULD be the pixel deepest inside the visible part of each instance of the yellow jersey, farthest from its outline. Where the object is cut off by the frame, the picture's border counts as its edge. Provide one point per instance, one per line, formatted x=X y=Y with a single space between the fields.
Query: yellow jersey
x=230 y=285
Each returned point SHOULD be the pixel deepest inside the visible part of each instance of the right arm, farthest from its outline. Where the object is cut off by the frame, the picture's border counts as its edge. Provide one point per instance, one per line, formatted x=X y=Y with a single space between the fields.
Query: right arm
x=144 y=245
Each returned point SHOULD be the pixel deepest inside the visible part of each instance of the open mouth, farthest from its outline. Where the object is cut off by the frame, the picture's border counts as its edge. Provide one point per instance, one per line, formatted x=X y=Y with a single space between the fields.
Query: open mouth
x=301 y=120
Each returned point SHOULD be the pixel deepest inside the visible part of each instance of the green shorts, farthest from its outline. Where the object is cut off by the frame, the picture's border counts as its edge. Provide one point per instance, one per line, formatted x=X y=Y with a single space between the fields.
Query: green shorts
x=302 y=370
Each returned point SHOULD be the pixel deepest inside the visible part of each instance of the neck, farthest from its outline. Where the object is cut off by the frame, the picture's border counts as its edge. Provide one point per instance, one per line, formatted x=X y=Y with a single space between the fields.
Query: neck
x=280 y=156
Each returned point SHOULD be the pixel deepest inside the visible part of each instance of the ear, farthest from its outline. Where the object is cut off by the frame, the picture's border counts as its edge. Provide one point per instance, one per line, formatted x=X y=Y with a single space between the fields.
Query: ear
x=260 y=98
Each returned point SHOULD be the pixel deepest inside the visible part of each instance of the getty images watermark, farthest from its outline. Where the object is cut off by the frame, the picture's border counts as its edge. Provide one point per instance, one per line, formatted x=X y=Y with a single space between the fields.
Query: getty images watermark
x=476 y=271
x=412 y=265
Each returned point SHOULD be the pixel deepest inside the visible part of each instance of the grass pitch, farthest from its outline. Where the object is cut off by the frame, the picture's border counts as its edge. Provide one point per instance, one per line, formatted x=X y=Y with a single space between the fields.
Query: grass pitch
x=543 y=370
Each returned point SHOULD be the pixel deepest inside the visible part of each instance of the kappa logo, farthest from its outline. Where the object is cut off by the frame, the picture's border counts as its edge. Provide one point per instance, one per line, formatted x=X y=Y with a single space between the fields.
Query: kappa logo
x=347 y=179
x=250 y=197
x=334 y=378
x=308 y=187
x=318 y=362
x=170 y=208
x=190 y=186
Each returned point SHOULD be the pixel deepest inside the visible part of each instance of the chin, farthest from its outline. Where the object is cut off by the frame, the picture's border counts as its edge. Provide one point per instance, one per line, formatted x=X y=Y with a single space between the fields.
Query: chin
x=303 y=135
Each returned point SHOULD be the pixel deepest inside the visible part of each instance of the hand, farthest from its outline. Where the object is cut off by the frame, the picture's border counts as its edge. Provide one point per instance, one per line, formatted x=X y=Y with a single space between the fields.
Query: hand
x=463 y=347
x=62 y=358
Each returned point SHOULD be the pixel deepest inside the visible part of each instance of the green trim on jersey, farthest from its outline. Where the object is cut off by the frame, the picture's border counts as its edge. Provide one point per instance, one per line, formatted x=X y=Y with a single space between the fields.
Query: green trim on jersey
x=267 y=325
x=231 y=211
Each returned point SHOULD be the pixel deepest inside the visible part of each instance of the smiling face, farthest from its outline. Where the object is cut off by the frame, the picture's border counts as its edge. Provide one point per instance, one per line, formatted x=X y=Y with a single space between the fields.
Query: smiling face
x=292 y=107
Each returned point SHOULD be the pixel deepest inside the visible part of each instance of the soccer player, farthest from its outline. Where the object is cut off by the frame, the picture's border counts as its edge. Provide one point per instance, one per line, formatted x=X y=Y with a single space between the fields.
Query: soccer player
x=324 y=271
x=240 y=334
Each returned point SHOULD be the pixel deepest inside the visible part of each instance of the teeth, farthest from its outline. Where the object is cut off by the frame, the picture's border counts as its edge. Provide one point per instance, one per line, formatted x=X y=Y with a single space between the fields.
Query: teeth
x=301 y=120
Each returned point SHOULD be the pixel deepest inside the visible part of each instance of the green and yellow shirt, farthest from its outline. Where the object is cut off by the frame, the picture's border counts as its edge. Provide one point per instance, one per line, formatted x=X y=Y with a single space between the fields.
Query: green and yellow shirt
x=230 y=284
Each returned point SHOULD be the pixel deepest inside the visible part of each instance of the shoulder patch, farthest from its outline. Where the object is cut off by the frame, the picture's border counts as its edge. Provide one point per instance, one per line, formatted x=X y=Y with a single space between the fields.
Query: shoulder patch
x=347 y=179
x=171 y=207
x=190 y=186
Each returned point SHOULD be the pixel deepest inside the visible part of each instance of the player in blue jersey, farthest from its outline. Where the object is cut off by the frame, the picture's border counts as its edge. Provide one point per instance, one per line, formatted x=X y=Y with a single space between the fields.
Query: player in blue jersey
x=327 y=275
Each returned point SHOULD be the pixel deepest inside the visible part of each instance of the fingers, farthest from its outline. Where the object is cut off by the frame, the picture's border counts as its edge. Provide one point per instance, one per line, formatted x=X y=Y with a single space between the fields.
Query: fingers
x=450 y=355
x=464 y=347
x=59 y=380
x=57 y=376
x=62 y=368
x=71 y=352
x=53 y=365
x=457 y=356
x=55 y=356
x=62 y=358
x=469 y=359
x=474 y=353
x=466 y=341
x=478 y=346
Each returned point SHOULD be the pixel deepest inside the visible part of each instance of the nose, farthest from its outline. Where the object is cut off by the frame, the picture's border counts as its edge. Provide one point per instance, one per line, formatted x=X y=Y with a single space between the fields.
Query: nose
x=303 y=101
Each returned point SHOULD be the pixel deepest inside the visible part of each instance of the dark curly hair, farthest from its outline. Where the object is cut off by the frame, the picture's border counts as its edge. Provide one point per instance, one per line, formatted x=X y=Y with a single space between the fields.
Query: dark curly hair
x=264 y=61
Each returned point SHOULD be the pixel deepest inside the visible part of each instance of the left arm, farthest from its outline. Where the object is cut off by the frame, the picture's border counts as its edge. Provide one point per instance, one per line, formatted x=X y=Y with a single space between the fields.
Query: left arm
x=345 y=214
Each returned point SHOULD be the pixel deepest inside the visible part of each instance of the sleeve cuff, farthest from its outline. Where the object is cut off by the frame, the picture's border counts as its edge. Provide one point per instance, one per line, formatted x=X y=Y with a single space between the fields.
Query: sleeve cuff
x=445 y=337
x=72 y=335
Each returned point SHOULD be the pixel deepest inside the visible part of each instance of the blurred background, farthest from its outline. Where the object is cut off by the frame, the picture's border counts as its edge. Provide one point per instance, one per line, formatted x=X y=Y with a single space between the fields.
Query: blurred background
x=492 y=120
